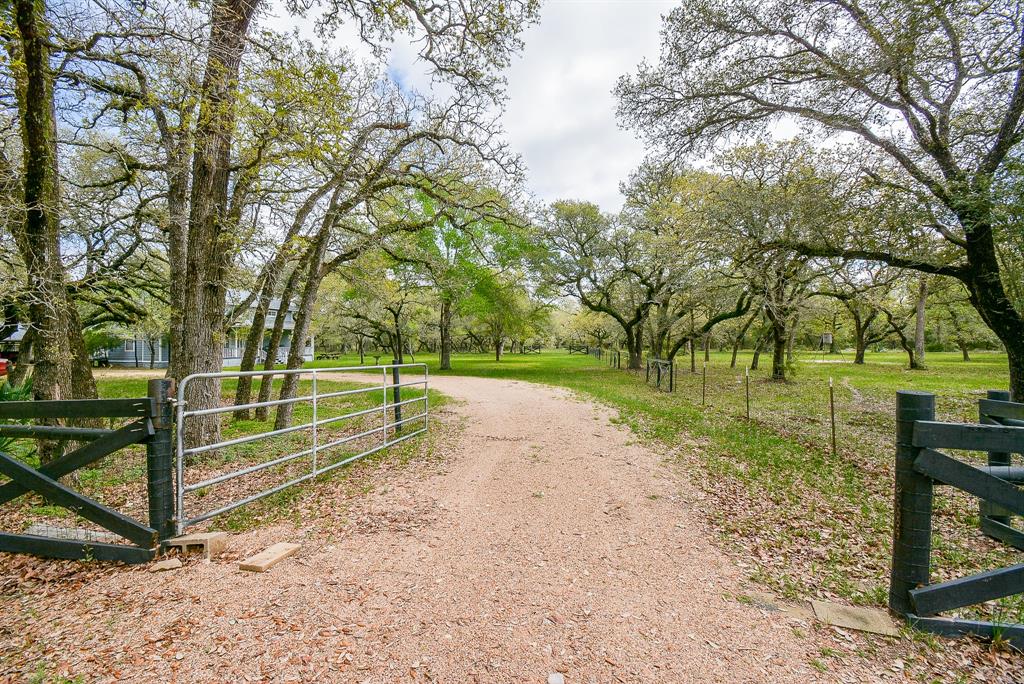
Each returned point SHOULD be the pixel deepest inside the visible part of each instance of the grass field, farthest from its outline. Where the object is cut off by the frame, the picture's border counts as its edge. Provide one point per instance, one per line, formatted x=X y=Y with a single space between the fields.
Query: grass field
x=809 y=523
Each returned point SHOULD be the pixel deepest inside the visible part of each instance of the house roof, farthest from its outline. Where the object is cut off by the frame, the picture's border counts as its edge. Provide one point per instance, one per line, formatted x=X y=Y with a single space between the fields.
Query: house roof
x=17 y=335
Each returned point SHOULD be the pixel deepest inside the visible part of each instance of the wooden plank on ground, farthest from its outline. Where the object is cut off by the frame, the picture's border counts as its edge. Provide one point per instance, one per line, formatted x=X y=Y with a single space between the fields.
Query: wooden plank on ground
x=77 y=408
x=870 y=620
x=976 y=481
x=966 y=591
x=83 y=456
x=268 y=558
x=968 y=436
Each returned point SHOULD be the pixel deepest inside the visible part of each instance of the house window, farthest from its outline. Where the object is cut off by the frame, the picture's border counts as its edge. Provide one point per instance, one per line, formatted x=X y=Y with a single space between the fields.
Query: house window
x=129 y=345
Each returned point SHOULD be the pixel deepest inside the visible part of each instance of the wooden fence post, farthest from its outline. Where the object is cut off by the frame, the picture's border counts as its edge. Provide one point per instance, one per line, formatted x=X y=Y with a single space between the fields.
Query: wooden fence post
x=159 y=459
x=995 y=458
x=912 y=512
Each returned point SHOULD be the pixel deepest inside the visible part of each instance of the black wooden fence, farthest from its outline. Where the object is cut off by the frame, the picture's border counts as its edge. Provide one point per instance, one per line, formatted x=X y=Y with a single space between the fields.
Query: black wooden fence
x=661 y=369
x=152 y=426
x=920 y=467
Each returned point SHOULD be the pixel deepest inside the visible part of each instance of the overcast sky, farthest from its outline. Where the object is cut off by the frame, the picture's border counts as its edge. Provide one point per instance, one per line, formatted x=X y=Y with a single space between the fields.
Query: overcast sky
x=560 y=115
x=561 y=112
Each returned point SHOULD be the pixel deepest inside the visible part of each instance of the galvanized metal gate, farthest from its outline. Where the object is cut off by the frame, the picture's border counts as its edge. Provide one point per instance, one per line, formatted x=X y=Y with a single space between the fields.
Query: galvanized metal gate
x=368 y=420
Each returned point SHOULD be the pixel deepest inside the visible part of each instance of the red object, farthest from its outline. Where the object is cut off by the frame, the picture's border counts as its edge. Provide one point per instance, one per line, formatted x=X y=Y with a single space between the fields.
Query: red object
x=3 y=367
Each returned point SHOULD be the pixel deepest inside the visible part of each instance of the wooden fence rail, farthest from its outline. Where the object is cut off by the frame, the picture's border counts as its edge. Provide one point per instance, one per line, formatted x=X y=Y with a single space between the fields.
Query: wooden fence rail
x=920 y=467
x=152 y=428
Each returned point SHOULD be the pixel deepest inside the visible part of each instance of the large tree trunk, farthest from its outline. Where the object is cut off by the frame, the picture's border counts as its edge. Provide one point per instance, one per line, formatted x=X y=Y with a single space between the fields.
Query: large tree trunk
x=758 y=348
x=780 y=336
x=963 y=349
x=446 y=334
x=61 y=366
x=276 y=335
x=860 y=330
x=791 y=340
x=779 y=339
x=922 y=299
x=254 y=343
x=739 y=338
x=314 y=276
x=499 y=347
x=635 y=348
x=209 y=247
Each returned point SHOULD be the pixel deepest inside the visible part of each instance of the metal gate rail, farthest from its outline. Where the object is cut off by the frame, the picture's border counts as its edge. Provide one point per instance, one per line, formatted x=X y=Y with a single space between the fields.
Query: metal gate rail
x=390 y=430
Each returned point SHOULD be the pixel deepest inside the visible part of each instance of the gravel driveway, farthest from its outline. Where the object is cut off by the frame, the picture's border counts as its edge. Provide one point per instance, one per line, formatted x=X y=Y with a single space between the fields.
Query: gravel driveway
x=545 y=542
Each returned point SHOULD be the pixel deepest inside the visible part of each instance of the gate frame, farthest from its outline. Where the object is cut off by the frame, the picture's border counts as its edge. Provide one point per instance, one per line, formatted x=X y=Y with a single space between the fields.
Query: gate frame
x=919 y=469
x=181 y=521
x=152 y=428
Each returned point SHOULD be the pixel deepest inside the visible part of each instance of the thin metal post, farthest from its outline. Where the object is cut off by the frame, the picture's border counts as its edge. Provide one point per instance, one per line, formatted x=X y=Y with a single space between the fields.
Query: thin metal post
x=995 y=458
x=671 y=376
x=159 y=456
x=384 y=404
x=704 y=385
x=748 y=392
x=179 y=483
x=832 y=412
x=912 y=512
x=396 y=397
x=314 y=425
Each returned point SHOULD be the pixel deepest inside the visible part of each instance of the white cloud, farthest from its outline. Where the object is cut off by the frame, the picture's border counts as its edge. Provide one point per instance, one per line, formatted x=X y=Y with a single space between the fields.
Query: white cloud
x=561 y=112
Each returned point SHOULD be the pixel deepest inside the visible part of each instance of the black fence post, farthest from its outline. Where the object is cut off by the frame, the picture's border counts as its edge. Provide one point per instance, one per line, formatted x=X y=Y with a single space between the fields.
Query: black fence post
x=671 y=376
x=159 y=459
x=912 y=512
x=648 y=379
x=995 y=458
x=396 y=396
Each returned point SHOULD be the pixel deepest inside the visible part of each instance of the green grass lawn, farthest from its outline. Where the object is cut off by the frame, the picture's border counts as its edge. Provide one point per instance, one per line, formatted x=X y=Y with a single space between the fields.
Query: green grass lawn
x=811 y=523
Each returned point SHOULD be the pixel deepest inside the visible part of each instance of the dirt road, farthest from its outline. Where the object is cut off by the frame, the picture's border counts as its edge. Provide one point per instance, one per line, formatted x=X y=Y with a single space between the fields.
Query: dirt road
x=546 y=542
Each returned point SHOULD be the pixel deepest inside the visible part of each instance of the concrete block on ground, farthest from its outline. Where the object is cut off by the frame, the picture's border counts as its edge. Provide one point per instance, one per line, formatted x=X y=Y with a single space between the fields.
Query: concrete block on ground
x=264 y=560
x=209 y=544
x=871 y=620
